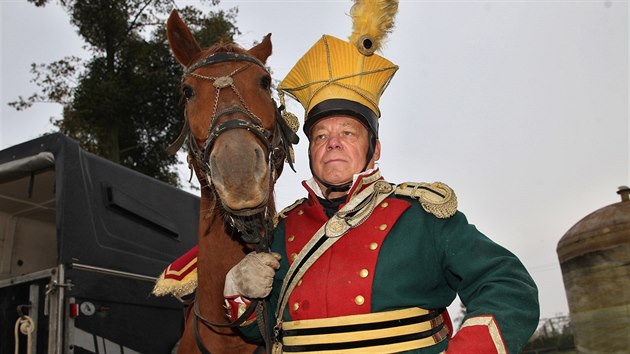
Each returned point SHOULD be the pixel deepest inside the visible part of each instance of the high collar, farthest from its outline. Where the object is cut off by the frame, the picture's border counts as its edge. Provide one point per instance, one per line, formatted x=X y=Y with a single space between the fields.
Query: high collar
x=359 y=182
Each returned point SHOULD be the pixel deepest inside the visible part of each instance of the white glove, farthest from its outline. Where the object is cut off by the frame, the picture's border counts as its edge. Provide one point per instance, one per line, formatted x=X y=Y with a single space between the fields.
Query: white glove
x=252 y=277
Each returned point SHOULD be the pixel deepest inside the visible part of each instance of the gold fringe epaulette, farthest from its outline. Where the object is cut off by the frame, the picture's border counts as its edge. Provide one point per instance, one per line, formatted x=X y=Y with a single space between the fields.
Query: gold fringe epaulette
x=284 y=213
x=179 y=279
x=178 y=288
x=436 y=198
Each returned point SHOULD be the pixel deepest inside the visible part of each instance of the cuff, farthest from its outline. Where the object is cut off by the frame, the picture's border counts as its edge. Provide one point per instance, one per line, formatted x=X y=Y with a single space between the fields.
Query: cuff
x=478 y=334
x=235 y=306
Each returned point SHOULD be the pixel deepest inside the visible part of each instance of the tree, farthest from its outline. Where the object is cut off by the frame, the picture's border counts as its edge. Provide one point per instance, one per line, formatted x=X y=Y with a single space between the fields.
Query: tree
x=123 y=103
x=553 y=336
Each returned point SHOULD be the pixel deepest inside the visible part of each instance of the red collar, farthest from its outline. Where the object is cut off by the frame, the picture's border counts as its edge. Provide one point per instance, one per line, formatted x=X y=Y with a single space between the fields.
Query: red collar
x=362 y=181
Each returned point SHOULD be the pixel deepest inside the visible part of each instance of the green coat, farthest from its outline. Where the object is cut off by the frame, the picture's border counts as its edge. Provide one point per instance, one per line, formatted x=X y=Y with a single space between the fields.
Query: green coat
x=420 y=260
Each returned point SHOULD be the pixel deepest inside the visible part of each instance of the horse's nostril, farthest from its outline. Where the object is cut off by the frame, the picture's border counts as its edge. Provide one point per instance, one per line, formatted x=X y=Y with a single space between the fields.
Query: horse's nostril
x=261 y=162
x=216 y=177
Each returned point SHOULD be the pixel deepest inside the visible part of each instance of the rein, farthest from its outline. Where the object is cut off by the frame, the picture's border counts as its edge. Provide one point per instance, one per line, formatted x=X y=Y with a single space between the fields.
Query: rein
x=249 y=222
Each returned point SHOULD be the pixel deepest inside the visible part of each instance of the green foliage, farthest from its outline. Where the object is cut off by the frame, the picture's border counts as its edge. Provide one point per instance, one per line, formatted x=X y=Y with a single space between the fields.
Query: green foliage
x=56 y=81
x=554 y=336
x=124 y=102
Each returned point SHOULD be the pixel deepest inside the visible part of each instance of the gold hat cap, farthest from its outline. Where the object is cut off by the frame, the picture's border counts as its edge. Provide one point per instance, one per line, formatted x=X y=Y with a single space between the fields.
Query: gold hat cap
x=346 y=71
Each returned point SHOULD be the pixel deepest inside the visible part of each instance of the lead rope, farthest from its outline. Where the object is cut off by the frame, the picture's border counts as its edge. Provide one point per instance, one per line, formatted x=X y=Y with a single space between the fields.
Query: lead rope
x=258 y=305
x=25 y=326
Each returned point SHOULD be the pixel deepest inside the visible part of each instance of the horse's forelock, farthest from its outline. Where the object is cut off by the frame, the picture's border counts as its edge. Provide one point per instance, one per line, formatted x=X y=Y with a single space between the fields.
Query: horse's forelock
x=219 y=48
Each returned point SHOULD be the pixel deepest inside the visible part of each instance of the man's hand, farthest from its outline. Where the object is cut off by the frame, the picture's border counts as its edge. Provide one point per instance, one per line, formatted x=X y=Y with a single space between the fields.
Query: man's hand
x=252 y=277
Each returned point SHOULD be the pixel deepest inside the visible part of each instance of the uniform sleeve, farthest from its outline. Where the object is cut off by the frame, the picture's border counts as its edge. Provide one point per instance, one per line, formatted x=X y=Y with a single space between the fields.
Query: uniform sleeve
x=500 y=297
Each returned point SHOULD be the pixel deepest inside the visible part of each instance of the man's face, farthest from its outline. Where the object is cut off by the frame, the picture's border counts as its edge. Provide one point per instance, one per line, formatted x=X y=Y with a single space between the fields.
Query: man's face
x=338 y=148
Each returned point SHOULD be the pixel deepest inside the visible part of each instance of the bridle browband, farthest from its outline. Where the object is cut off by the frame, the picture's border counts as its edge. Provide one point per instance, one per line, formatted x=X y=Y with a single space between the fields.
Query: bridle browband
x=221 y=57
x=278 y=143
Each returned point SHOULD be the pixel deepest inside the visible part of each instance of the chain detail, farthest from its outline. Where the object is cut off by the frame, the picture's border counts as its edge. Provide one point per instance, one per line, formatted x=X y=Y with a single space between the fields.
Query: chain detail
x=227 y=81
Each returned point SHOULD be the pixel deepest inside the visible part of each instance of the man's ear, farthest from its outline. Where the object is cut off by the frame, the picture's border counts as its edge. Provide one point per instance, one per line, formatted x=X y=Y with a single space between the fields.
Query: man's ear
x=377 y=150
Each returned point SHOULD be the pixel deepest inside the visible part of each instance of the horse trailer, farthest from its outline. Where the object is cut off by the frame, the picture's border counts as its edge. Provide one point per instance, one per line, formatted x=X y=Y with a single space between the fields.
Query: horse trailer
x=82 y=241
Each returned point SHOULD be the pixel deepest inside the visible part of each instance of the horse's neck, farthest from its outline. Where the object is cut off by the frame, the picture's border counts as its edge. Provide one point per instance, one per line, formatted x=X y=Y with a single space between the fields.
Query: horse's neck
x=218 y=253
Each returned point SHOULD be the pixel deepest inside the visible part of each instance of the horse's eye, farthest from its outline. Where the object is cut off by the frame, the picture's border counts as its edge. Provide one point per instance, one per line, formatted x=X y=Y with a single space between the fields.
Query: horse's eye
x=265 y=82
x=188 y=91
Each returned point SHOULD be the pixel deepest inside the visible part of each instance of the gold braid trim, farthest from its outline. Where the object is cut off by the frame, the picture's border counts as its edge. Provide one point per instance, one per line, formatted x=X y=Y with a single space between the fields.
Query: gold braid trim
x=493 y=330
x=284 y=213
x=436 y=198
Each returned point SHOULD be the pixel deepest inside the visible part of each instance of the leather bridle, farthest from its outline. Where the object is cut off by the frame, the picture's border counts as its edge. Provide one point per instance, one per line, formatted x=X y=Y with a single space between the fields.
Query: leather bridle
x=278 y=143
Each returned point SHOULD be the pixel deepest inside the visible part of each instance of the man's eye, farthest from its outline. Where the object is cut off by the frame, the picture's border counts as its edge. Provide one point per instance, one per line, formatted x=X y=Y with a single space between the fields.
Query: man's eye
x=349 y=134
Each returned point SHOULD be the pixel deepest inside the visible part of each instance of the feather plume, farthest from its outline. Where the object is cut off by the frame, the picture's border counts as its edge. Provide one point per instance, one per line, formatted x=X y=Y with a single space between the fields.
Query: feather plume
x=372 y=20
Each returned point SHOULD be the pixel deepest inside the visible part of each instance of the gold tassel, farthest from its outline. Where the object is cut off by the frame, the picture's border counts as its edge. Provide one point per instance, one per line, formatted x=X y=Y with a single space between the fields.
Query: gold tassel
x=372 y=20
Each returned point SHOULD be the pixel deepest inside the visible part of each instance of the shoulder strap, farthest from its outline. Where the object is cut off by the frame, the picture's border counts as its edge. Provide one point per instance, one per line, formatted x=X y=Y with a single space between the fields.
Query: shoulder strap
x=283 y=213
x=436 y=198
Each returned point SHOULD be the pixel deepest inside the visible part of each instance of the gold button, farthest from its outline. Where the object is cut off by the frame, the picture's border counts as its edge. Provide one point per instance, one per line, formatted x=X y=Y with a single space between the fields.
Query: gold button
x=300 y=212
x=359 y=300
x=296 y=306
x=363 y=273
x=291 y=238
x=373 y=246
x=384 y=204
x=293 y=256
x=382 y=227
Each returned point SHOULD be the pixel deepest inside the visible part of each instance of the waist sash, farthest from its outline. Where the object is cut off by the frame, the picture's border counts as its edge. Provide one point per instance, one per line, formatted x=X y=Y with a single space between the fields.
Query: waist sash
x=380 y=332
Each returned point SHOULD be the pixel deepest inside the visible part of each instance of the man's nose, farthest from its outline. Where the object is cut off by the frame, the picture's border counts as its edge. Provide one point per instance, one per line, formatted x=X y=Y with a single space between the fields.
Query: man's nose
x=333 y=143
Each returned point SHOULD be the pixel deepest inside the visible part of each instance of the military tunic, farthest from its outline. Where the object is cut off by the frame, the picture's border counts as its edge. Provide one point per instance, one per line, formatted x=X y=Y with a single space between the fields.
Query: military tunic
x=403 y=256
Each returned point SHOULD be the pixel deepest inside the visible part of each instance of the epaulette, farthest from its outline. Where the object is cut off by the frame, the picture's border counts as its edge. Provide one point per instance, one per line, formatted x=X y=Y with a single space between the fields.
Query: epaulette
x=436 y=198
x=283 y=214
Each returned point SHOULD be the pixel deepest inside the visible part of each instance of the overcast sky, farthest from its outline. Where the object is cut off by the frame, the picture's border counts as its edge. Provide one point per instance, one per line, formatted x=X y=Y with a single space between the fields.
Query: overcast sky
x=520 y=106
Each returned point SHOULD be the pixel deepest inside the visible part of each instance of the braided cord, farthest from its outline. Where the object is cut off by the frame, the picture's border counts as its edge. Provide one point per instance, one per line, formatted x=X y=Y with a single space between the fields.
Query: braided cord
x=25 y=326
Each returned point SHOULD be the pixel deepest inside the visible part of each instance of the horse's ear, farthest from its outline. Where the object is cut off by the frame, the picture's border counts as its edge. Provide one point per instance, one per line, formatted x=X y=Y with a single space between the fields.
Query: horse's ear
x=184 y=46
x=262 y=51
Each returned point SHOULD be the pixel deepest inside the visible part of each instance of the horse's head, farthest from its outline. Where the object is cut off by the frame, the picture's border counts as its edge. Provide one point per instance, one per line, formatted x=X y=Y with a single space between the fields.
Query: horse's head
x=238 y=140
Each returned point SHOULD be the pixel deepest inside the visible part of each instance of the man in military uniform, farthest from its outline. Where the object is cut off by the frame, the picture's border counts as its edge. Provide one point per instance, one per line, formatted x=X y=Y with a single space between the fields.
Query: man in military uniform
x=365 y=266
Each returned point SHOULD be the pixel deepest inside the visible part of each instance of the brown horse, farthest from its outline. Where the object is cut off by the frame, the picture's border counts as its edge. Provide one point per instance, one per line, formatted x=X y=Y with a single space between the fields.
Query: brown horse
x=237 y=142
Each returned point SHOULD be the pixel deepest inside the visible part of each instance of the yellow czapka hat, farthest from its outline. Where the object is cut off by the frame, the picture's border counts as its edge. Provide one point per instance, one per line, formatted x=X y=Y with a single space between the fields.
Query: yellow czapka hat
x=346 y=77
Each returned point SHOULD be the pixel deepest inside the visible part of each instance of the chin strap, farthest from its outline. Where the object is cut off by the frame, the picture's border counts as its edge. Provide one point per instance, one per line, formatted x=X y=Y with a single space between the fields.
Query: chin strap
x=343 y=187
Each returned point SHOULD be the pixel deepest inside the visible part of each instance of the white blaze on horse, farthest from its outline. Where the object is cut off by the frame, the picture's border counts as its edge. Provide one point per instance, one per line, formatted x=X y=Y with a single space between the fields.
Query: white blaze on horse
x=238 y=142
